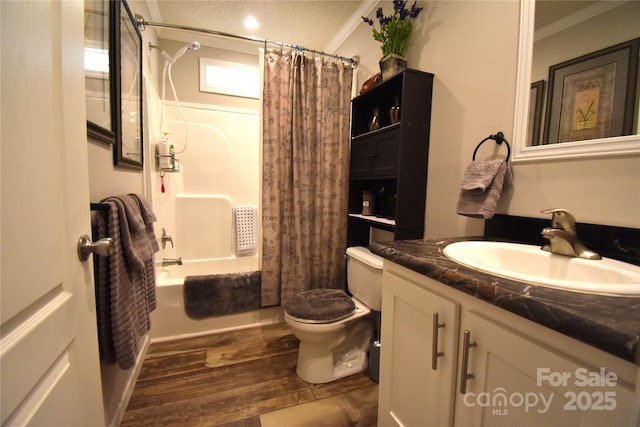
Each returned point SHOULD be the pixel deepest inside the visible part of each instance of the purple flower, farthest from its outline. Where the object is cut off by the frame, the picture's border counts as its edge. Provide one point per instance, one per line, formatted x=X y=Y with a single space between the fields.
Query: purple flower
x=399 y=5
x=414 y=10
x=395 y=28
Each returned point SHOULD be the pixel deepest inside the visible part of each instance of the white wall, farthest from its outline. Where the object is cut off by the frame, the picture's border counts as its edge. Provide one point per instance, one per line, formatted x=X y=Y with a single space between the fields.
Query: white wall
x=218 y=170
x=472 y=47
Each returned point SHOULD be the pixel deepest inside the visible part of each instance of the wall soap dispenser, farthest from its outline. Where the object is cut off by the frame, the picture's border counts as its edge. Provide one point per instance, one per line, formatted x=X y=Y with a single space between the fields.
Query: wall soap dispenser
x=164 y=152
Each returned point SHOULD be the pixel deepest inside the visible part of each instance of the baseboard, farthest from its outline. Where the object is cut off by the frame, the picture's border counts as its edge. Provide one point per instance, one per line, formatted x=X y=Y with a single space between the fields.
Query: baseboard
x=118 y=385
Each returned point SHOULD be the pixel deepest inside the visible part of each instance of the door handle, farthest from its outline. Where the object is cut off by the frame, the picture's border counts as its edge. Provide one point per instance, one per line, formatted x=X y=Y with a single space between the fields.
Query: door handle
x=465 y=375
x=434 y=345
x=103 y=247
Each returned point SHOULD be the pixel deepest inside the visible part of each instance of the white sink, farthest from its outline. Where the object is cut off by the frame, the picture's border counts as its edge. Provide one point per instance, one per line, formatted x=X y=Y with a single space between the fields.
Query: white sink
x=530 y=264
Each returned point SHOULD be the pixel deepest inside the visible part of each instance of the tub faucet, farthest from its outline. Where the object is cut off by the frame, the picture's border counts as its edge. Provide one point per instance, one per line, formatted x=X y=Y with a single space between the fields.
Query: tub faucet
x=562 y=236
x=165 y=238
x=171 y=261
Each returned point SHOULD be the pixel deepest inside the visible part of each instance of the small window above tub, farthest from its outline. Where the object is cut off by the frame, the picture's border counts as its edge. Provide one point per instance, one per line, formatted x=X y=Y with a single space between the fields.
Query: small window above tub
x=229 y=78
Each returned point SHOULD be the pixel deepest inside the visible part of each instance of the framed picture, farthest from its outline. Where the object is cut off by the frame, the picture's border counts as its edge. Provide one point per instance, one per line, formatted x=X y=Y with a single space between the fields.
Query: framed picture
x=536 y=100
x=593 y=96
x=128 y=79
x=98 y=64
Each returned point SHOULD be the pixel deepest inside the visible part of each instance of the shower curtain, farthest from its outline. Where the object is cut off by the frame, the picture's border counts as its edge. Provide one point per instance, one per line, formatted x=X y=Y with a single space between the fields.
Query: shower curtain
x=306 y=114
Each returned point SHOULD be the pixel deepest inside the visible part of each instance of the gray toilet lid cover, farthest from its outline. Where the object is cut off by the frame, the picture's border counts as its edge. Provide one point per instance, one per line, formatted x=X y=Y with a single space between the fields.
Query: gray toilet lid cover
x=320 y=305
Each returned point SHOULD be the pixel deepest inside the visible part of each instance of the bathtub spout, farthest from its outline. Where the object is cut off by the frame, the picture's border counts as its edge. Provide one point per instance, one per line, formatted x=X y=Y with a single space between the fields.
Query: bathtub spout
x=171 y=261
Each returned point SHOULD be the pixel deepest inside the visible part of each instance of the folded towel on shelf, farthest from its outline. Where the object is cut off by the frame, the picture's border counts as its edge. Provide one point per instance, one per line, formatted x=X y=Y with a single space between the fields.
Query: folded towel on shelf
x=482 y=186
x=131 y=278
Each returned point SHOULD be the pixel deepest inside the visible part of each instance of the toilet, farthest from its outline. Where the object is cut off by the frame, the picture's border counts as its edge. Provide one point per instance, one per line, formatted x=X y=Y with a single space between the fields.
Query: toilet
x=334 y=328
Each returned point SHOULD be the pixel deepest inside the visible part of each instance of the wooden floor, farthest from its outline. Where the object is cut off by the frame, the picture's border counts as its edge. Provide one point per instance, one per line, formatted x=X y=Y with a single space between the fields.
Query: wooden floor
x=243 y=378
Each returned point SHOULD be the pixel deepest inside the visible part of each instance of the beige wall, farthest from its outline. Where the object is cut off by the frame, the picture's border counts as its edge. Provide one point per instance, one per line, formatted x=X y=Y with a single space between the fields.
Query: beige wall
x=615 y=26
x=472 y=48
x=610 y=28
x=185 y=73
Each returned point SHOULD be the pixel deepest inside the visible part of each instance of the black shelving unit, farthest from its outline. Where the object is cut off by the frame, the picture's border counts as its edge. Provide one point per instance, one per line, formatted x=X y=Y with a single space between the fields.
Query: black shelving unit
x=391 y=161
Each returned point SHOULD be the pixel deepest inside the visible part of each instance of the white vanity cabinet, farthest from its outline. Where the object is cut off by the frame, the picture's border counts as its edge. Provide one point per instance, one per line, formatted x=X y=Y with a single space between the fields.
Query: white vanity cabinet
x=519 y=373
x=412 y=392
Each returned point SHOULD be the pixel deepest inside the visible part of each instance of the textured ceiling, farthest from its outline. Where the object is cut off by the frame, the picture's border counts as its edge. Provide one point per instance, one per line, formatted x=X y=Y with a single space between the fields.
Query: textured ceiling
x=311 y=23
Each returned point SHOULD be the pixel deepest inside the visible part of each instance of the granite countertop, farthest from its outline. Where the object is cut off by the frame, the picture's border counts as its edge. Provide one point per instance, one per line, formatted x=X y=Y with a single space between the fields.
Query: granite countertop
x=609 y=323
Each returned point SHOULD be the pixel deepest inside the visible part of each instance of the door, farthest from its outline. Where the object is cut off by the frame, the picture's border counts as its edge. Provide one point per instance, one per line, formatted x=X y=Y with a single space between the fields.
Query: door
x=361 y=152
x=48 y=345
x=519 y=382
x=418 y=360
x=385 y=160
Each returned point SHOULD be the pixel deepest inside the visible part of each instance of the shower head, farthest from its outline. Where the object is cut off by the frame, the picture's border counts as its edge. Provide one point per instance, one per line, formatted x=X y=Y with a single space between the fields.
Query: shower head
x=189 y=46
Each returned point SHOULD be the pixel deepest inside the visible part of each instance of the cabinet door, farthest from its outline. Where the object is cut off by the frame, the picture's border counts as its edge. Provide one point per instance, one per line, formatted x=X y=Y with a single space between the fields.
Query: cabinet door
x=411 y=392
x=361 y=154
x=519 y=382
x=385 y=154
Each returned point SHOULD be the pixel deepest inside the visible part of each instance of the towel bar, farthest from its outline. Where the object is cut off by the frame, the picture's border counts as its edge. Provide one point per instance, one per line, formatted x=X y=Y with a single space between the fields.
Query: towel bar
x=103 y=246
x=103 y=207
x=499 y=139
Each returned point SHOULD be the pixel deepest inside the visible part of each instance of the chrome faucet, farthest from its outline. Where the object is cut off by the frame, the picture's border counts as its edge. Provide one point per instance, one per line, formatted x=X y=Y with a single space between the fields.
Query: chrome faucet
x=171 y=261
x=562 y=236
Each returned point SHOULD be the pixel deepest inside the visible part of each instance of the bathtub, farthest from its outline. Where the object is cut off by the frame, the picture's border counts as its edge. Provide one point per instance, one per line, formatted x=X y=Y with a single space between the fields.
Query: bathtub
x=169 y=320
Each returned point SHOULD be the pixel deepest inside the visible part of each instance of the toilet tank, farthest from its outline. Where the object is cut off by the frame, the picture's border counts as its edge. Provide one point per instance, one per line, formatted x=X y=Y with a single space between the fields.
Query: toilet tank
x=364 y=276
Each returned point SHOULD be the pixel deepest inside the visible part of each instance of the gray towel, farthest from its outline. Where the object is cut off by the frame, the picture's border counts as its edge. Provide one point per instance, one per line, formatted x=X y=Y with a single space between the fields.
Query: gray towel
x=481 y=187
x=131 y=278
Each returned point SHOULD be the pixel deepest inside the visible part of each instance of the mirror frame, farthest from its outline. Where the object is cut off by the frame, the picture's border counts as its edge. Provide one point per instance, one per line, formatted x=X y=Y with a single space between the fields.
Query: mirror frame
x=95 y=131
x=124 y=16
x=614 y=146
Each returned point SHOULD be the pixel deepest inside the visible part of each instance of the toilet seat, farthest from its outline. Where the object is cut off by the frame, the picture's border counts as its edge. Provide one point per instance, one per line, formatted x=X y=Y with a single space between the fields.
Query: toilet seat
x=320 y=306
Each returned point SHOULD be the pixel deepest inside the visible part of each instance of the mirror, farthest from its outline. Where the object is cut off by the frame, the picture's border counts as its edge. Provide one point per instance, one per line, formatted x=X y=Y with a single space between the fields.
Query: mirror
x=128 y=81
x=98 y=62
x=533 y=76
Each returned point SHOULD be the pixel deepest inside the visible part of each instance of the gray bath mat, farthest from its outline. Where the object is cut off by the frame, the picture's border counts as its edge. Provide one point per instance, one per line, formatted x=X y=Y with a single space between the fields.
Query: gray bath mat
x=221 y=294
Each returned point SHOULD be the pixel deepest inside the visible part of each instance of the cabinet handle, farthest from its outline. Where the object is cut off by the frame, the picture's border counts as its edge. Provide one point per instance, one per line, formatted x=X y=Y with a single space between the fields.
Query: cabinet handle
x=434 y=346
x=465 y=361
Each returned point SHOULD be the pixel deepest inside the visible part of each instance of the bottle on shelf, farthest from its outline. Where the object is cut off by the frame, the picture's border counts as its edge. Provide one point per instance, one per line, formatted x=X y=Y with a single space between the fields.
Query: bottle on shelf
x=368 y=203
x=164 y=152
x=374 y=123
x=394 y=111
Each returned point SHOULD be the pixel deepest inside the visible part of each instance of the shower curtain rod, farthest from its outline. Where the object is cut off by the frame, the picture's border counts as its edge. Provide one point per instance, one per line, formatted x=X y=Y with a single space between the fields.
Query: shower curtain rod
x=142 y=23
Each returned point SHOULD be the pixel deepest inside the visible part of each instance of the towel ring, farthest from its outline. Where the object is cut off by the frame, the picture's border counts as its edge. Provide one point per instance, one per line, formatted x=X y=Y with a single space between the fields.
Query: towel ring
x=499 y=139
